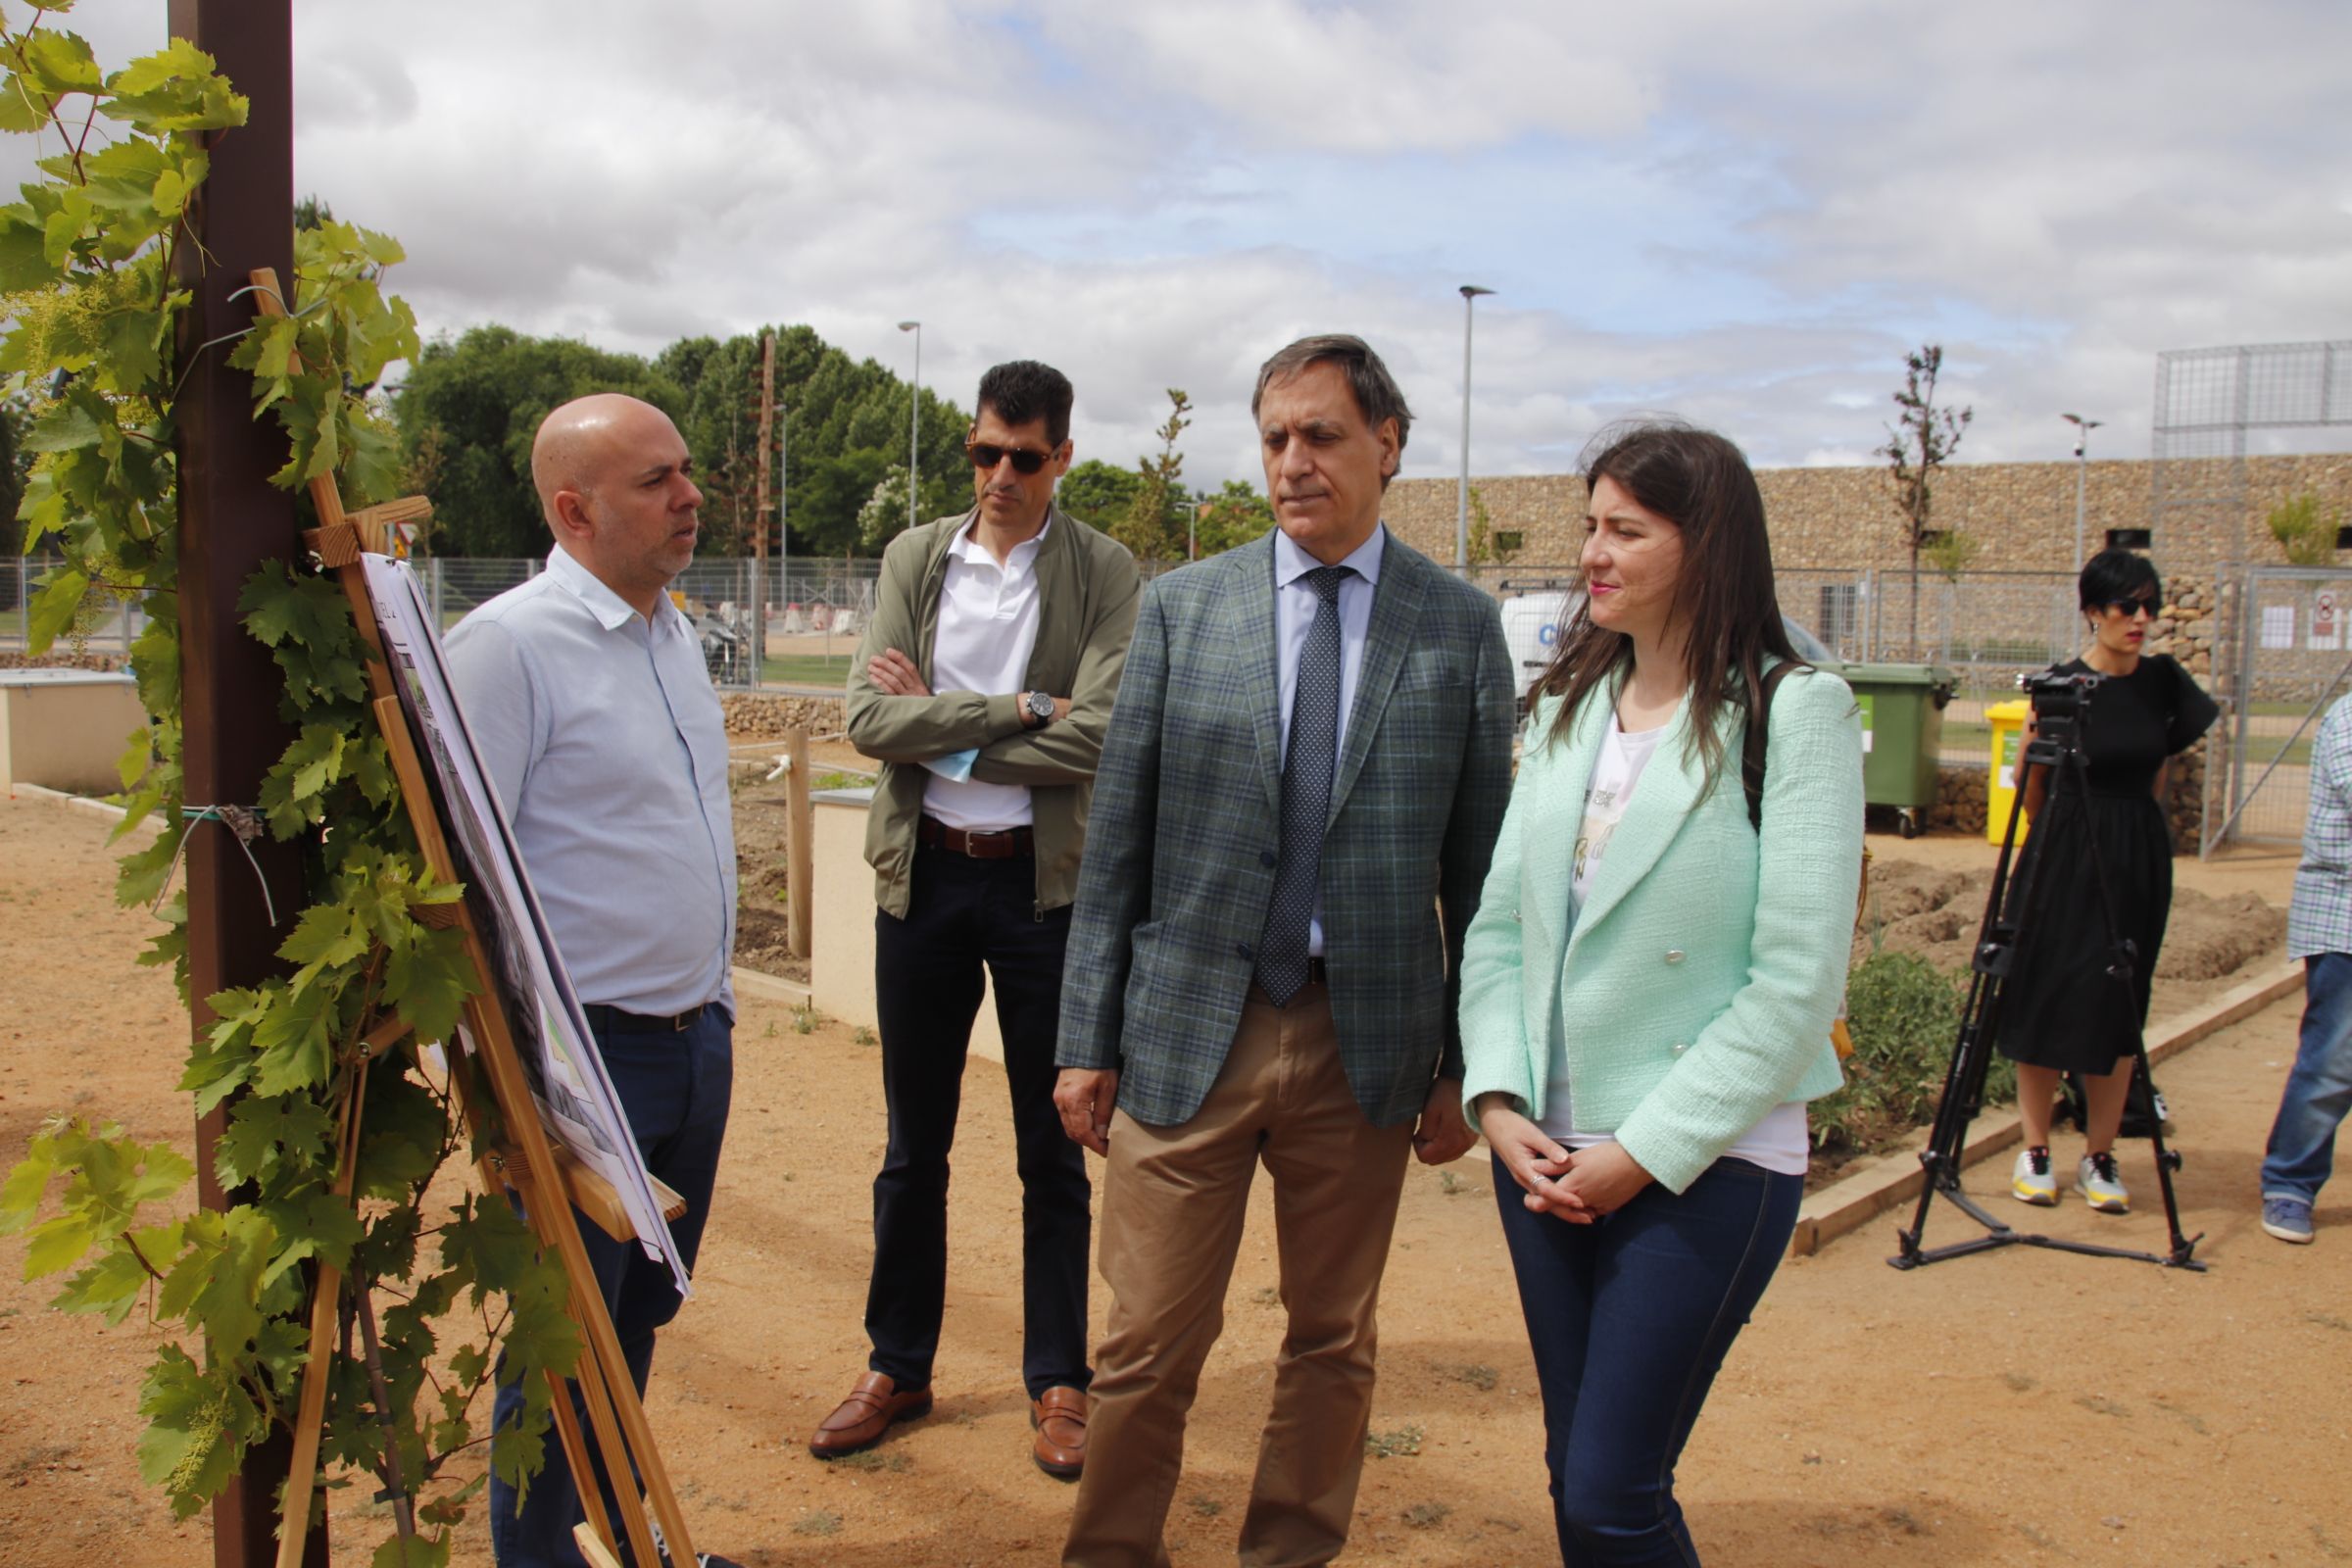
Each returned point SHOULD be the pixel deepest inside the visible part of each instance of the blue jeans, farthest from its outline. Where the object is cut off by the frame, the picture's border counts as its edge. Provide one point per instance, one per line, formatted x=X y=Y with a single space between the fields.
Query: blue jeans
x=1629 y=1318
x=2302 y=1147
x=675 y=1087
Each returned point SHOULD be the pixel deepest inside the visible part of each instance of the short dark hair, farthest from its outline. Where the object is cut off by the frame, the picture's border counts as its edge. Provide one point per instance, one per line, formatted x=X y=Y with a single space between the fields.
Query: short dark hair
x=1022 y=390
x=2114 y=574
x=1375 y=390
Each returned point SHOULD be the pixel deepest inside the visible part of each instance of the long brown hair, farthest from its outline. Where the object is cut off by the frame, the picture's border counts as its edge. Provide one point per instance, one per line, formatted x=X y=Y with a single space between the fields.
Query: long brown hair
x=1724 y=598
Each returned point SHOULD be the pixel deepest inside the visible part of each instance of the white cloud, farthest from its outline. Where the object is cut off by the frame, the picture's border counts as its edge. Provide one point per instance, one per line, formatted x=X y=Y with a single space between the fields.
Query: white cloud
x=1743 y=214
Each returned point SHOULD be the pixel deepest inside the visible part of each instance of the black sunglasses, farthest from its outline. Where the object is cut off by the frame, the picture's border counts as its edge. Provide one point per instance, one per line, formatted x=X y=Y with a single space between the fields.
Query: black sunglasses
x=2128 y=608
x=985 y=456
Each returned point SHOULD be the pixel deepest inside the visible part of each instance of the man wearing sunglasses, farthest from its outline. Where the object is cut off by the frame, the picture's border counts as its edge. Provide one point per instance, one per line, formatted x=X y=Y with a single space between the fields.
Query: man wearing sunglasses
x=984 y=687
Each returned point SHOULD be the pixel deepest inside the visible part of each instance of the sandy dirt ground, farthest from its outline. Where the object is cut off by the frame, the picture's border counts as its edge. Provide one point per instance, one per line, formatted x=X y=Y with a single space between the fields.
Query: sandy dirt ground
x=2021 y=1406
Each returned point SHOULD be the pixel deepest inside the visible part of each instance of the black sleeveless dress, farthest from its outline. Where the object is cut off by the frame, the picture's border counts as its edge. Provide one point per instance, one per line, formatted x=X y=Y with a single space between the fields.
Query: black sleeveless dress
x=2061 y=1008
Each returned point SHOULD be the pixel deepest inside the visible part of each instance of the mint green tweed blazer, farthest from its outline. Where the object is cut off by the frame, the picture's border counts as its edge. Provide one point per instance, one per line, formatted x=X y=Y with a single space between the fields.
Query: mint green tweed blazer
x=1696 y=988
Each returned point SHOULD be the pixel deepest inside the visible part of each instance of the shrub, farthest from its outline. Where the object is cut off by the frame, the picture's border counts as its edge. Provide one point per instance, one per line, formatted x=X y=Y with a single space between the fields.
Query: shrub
x=1904 y=1015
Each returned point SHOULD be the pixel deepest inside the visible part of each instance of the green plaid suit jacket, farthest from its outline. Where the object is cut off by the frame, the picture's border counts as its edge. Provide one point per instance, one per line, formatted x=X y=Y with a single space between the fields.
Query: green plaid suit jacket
x=1181 y=847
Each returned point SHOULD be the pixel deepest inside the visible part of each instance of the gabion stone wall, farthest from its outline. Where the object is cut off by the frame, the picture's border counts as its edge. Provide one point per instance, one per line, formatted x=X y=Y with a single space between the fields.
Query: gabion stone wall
x=2022 y=515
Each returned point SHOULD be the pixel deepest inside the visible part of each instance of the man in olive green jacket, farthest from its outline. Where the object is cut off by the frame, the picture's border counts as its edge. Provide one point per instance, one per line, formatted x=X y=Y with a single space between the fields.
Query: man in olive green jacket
x=984 y=687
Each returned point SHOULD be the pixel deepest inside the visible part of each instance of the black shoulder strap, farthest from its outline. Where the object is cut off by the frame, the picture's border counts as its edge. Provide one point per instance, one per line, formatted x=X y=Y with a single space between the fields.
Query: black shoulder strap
x=1751 y=749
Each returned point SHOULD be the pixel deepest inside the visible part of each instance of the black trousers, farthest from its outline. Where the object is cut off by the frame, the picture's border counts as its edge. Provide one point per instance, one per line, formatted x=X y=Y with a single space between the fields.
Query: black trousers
x=963 y=913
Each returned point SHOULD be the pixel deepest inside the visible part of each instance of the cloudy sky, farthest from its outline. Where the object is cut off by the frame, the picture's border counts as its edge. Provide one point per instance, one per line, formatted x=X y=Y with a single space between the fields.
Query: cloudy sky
x=1742 y=212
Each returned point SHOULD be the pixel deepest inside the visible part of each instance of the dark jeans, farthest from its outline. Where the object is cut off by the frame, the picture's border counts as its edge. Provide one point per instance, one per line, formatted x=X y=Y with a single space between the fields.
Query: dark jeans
x=2319 y=1089
x=963 y=913
x=675 y=1089
x=1629 y=1318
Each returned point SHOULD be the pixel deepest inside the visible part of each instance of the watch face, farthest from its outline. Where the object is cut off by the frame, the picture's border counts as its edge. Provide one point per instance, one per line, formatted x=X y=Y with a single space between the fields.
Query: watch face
x=1040 y=706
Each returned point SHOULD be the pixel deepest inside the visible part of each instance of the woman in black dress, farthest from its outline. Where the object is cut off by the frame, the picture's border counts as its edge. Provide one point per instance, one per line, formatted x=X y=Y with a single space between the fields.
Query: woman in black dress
x=2063 y=1012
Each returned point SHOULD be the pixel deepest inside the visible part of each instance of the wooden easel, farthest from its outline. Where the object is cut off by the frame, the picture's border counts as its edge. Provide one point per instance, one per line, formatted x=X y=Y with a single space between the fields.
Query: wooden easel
x=495 y=1097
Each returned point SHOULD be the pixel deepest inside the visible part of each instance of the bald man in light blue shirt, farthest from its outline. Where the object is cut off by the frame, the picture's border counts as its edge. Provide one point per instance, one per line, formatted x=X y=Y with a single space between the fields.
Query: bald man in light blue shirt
x=588 y=701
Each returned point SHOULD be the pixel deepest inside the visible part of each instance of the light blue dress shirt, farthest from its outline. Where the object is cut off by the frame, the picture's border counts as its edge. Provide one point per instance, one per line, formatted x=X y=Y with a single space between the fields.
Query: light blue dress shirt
x=1294 y=606
x=605 y=743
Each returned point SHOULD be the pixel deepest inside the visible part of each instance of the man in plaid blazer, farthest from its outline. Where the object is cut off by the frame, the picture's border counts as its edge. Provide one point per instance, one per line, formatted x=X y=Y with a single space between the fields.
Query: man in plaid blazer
x=1263 y=955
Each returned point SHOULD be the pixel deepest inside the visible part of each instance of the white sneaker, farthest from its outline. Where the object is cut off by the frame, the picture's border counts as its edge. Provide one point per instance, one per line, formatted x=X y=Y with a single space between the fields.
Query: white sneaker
x=2101 y=1187
x=2031 y=1181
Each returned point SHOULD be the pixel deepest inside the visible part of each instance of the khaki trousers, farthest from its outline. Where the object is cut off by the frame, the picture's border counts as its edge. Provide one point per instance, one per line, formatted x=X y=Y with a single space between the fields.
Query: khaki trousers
x=1173 y=1206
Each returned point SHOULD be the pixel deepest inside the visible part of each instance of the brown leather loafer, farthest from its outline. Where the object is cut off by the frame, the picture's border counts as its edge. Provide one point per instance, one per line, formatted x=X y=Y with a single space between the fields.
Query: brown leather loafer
x=1060 y=1416
x=861 y=1419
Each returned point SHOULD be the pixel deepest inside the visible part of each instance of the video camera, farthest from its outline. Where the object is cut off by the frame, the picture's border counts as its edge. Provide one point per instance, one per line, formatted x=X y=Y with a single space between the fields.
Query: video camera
x=2061 y=703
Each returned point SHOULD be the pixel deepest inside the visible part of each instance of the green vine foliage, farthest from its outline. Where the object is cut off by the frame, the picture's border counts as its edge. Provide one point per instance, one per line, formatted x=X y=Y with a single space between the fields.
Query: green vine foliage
x=88 y=262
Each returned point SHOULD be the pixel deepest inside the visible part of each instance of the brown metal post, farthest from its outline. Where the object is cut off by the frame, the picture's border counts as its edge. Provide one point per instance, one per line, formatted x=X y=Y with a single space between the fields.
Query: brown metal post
x=232 y=519
x=800 y=869
x=768 y=439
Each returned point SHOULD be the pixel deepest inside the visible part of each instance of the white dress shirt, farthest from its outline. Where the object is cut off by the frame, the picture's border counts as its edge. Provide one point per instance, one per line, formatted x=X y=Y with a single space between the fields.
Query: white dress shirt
x=605 y=743
x=1294 y=606
x=986 y=629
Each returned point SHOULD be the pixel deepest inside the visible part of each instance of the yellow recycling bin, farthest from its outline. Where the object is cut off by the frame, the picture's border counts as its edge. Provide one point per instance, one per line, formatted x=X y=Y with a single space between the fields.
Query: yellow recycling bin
x=2008 y=722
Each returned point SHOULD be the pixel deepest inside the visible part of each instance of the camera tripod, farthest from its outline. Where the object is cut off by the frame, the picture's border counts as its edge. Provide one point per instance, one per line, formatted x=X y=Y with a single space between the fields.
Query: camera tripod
x=2010 y=911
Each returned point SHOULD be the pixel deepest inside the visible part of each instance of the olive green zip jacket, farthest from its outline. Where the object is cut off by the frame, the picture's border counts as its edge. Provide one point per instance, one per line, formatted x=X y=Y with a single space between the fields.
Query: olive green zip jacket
x=1087 y=592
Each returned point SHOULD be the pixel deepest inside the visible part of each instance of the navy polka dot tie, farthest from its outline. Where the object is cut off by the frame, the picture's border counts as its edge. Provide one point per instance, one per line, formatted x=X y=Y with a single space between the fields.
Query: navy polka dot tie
x=1307 y=767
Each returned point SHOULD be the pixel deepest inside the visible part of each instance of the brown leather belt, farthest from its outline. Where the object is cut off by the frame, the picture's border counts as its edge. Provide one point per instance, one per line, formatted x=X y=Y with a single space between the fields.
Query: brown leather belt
x=1005 y=844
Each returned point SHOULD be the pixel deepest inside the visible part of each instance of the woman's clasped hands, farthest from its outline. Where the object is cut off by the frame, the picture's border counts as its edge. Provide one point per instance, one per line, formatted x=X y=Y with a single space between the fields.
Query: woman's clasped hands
x=1579 y=1185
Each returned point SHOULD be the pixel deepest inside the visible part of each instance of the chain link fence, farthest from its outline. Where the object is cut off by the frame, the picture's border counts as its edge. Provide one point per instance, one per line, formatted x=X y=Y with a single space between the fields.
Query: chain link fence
x=2293 y=659
x=106 y=626
x=1988 y=627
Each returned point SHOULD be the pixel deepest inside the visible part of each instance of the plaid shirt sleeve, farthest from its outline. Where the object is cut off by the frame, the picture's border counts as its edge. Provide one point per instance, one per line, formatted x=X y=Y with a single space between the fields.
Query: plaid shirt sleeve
x=2320 y=917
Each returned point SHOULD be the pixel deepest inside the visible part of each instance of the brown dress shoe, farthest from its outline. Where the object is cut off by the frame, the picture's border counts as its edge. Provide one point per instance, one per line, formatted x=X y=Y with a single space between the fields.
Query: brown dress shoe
x=861 y=1419
x=1060 y=1416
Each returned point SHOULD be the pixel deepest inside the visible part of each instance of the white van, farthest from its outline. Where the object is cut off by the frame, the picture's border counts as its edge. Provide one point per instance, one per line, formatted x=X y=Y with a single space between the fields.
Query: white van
x=1531 y=629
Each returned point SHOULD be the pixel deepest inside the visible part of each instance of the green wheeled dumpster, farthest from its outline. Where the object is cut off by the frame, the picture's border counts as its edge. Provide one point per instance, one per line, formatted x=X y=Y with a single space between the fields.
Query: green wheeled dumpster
x=1902 y=733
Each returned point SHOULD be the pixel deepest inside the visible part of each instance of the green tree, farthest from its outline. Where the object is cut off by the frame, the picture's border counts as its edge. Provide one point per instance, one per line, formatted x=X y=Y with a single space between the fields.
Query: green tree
x=1096 y=493
x=2306 y=530
x=884 y=516
x=1153 y=527
x=1235 y=514
x=15 y=465
x=1921 y=441
x=1949 y=553
x=470 y=408
x=1483 y=549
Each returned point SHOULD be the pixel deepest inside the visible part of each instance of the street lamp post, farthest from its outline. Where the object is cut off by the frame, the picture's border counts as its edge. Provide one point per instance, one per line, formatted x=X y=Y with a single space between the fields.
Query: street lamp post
x=914 y=416
x=1461 y=521
x=784 y=525
x=2083 y=429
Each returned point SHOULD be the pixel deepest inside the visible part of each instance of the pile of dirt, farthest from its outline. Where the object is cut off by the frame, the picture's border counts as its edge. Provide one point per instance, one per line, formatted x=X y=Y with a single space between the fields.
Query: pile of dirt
x=2210 y=943
x=759 y=716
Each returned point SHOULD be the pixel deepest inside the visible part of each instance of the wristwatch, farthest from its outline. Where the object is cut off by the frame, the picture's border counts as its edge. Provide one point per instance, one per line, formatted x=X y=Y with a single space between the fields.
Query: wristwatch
x=1040 y=708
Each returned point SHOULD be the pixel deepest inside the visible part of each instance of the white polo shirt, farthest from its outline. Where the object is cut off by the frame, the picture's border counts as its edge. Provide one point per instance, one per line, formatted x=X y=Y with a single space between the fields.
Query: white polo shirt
x=987 y=630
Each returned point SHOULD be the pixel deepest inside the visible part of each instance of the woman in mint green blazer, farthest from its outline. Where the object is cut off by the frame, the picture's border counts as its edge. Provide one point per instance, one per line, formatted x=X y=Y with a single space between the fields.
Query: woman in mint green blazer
x=1648 y=984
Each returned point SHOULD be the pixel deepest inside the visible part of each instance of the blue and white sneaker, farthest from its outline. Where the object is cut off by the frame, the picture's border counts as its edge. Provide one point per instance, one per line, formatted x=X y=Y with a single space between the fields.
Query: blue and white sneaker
x=2101 y=1187
x=2287 y=1218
